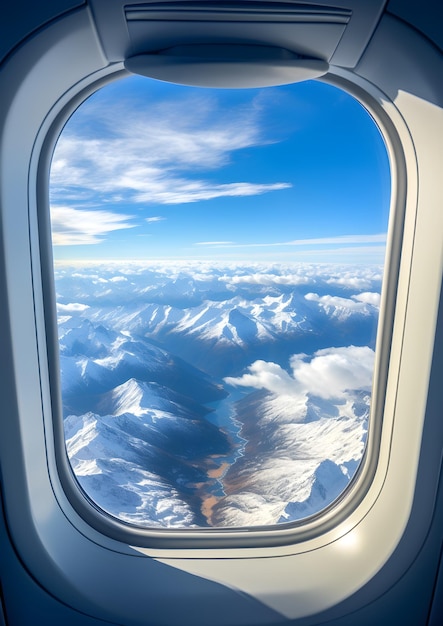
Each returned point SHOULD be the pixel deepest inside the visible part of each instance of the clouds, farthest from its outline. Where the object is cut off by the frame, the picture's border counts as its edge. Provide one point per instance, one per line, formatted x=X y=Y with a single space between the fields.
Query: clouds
x=320 y=241
x=72 y=227
x=260 y=278
x=343 y=239
x=156 y=218
x=367 y=249
x=183 y=191
x=337 y=306
x=368 y=297
x=213 y=243
x=334 y=371
x=254 y=277
x=72 y=307
x=329 y=374
x=362 y=278
x=230 y=174
x=269 y=376
x=152 y=156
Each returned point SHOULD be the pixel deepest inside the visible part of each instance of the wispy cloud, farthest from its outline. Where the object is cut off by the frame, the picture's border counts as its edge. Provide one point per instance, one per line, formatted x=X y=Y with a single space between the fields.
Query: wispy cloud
x=182 y=191
x=213 y=243
x=341 y=240
x=153 y=158
x=157 y=218
x=74 y=227
x=321 y=241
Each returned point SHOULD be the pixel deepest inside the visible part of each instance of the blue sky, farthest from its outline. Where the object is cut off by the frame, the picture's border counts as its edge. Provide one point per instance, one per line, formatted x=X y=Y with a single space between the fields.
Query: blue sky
x=149 y=170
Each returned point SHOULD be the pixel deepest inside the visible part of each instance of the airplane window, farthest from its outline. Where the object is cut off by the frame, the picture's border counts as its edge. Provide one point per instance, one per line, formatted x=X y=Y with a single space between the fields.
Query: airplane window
x=218 y=267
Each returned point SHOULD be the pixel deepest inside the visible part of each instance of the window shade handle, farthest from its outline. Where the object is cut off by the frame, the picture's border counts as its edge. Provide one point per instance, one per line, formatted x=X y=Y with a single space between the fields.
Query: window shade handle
x=228 y=66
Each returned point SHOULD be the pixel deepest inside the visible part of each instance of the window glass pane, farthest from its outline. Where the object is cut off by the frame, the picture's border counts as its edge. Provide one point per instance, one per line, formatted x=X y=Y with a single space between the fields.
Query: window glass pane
x=218 y=266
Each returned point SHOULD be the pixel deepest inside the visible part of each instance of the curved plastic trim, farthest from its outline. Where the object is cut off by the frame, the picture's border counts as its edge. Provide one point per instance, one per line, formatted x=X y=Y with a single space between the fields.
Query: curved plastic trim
x=81 y=564
x=227 y=66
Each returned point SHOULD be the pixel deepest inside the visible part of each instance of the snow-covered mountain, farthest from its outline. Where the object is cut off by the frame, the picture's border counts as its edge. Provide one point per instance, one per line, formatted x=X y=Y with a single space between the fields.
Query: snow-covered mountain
x=94 y=359
x=239 y=330
x=147 y=441
x=204 y=395
x=299 y=456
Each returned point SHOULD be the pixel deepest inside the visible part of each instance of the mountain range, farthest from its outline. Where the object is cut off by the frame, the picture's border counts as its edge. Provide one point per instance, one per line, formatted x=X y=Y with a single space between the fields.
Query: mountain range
x=185 y=397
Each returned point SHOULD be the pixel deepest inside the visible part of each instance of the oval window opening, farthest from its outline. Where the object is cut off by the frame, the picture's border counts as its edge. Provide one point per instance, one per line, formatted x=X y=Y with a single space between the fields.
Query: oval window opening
x=218 y=266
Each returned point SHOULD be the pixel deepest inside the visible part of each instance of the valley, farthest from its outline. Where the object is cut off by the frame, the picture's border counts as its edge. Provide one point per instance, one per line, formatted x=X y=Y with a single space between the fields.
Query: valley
x=233 y=396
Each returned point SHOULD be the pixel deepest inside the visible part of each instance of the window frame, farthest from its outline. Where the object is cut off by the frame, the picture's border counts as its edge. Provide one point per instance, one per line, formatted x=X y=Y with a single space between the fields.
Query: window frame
x=231 y=537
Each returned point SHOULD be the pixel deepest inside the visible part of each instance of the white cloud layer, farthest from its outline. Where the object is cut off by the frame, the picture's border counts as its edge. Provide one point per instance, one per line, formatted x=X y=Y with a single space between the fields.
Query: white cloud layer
x=329 y=374
x=258 y=278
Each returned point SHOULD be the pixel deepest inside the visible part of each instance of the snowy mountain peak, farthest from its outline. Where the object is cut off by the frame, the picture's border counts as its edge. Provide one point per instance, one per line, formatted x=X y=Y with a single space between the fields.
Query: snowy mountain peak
x=134 y=397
